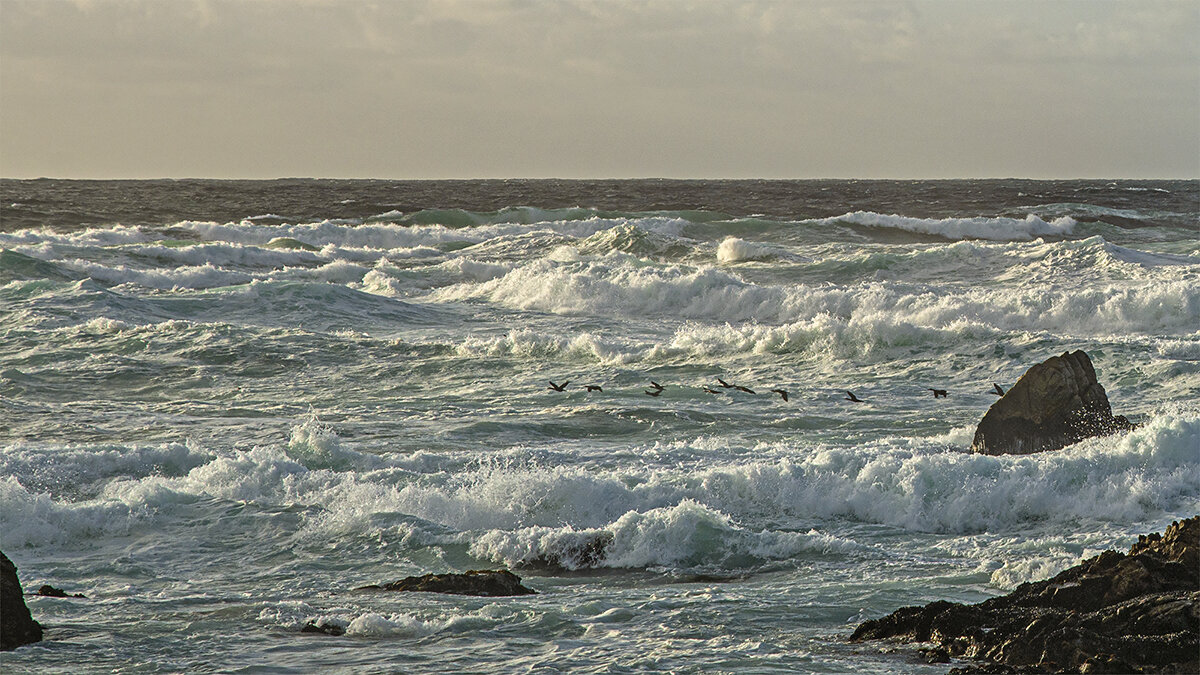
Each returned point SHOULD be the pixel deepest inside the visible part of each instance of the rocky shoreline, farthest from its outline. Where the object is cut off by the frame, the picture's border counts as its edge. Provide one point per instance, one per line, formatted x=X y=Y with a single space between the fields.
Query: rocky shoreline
x=1115 y=613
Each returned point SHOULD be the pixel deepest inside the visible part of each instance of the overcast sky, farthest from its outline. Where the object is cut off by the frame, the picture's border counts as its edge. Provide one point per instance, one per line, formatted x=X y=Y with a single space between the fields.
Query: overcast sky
x=608 y=88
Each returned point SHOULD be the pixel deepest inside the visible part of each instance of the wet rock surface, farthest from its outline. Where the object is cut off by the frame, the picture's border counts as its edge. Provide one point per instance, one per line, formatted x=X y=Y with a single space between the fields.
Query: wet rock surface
x=1055 y=403
x=1115 y=613
x=17 y=626
x=488 y=583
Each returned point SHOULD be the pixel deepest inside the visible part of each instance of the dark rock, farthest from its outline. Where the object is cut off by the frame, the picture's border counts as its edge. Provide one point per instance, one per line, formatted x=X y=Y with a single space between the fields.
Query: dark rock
x=1055 y=403
x=489 y=583
x=17 y=626
x=52 y=592
x=326 y=628
x=1113 y=613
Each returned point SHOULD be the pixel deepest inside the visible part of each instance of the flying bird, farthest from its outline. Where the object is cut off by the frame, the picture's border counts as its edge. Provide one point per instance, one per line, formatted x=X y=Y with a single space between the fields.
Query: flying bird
x=782 y=393
x=997 y=390
x=851 y=397
x=559 y=387
x=938 y=393
x=745 y=389
x=724 y=383
x=656 y=385
x=709 y=390
x=594 y=387
x=656 y=392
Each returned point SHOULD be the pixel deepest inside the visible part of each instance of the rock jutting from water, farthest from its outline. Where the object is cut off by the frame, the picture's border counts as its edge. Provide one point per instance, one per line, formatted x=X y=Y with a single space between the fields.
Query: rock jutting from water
x=1114 y=613
x=489 y=583
x=17 y=626
x=1055 y=403
x=52 y=592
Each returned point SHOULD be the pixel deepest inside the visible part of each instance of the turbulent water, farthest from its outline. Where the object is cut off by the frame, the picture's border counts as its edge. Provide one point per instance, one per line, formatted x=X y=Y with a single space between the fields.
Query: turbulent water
x=226 y=405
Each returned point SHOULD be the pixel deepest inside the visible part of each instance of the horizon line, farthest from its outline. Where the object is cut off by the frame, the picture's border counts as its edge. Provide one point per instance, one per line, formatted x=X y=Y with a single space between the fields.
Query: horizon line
x=609 y=178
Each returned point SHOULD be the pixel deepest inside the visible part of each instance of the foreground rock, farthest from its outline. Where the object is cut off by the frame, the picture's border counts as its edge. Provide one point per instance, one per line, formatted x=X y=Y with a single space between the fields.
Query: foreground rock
x=1055 y=403
x=17 y=627
x=489 y=583
x=1115 y=613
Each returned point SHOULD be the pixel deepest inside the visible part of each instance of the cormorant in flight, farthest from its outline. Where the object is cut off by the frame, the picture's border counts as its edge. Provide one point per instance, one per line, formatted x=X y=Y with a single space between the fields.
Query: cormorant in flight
x=559 y=387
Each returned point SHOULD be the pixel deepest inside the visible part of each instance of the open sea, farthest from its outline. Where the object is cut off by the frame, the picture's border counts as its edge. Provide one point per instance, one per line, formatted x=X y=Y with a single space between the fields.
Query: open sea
x=225 y=405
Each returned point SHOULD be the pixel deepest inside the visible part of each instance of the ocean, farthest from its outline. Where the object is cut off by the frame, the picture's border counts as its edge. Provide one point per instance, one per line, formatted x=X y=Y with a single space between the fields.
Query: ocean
x=226 y=405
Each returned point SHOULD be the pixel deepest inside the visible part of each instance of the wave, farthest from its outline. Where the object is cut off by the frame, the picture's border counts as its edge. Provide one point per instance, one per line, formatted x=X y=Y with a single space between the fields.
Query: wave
x=731 y=516
x=733 y=250
x=688 y=535
x=887 y=309
x=994 y=228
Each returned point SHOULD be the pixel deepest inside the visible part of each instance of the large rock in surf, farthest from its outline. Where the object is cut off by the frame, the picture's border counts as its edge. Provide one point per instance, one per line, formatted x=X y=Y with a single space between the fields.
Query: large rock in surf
x=489 y=583
x=17 y=626
x=1055 y=403
x=1115 y=613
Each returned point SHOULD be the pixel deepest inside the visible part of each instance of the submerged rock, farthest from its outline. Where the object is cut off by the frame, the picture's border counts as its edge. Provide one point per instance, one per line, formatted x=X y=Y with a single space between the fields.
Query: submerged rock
x=1122 y=613
x=488 y=583
x=585 y=553
x=1055 y=403
x=17 y=626
x=328 y=628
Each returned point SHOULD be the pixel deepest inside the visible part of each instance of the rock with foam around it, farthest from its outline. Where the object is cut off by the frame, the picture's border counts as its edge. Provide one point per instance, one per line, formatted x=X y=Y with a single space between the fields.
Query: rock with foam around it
x=489 y=583
x=1055 y=403
x=17 y=626
x=1114 y=613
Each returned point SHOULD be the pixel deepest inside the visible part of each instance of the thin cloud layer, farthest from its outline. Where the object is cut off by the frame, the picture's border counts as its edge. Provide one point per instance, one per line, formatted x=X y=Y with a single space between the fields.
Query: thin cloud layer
x=582 y=89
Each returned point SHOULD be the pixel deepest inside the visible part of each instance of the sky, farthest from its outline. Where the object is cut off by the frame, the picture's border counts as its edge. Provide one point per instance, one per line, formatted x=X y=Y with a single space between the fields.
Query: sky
x=414 y=89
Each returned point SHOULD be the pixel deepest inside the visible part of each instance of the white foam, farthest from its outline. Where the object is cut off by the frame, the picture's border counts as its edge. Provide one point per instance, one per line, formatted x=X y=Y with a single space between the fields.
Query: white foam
x=732 y=250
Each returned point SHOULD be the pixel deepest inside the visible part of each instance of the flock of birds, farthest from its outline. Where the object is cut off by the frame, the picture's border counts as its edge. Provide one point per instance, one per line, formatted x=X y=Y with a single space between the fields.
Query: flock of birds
x=656 y=389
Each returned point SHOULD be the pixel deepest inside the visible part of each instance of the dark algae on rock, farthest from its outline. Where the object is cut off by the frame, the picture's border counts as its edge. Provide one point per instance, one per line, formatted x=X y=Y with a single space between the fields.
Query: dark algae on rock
x=1055 y=403
x=488 y=583
x=1115 y=613
x=17 y=626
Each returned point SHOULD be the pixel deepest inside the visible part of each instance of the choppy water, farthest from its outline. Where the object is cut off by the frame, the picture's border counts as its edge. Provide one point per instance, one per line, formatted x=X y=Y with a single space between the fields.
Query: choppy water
x=226 y=405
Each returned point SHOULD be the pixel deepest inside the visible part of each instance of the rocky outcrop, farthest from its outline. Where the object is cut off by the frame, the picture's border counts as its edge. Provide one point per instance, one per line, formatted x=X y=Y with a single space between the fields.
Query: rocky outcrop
x=1115 y=613
x=52 y=592
x=17 y=626
x=1055 y=403
x=490 y=583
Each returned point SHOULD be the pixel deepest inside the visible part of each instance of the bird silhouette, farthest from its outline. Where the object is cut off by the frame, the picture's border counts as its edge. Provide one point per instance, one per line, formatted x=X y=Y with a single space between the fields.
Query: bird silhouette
x=938 y=393
x=724 y=383
x=594 y=387
x=709 y=390
x=656 y=392
x=851 y=397
x=782 y=393
x=745 y=389
x=558 y=387
x=997 y=390
x=656 y=385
